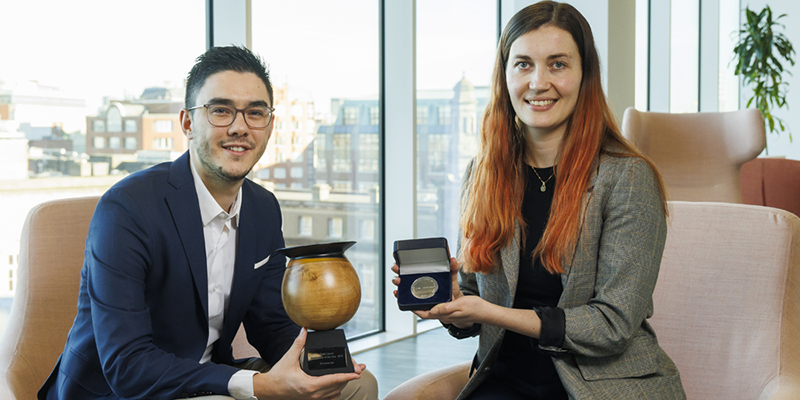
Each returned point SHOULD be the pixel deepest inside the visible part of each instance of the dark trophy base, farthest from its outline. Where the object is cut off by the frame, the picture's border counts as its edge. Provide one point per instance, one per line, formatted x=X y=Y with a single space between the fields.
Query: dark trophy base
x=326 y=352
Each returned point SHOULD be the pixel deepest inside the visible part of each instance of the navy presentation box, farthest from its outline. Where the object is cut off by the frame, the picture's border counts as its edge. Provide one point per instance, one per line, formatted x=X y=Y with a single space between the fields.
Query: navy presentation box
x=424 y=269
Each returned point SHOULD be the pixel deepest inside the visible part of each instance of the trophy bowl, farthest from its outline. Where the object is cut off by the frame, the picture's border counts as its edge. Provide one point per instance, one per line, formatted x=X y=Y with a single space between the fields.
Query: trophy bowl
x=320 y=288
x=320 y=292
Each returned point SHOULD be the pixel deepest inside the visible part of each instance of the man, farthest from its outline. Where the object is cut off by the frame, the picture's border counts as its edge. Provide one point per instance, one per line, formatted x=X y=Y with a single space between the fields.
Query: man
x=179 y=255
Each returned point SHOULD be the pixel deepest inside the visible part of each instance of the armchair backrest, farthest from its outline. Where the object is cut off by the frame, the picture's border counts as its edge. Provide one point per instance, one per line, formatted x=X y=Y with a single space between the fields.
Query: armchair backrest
x=46 y=300
x=727 y=301
x=700 y=154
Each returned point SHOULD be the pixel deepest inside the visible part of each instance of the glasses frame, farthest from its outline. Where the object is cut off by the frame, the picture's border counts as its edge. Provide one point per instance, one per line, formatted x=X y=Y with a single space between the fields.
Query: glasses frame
x=236 y=112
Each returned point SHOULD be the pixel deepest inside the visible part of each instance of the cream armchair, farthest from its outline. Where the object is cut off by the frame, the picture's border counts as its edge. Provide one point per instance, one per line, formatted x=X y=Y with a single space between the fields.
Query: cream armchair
x=699 y=154
x=727 y=301
x=46 y=300
x=727 y=306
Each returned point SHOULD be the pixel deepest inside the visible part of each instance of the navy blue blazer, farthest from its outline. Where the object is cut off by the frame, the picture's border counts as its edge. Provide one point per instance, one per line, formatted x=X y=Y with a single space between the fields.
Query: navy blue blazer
x=142 y=323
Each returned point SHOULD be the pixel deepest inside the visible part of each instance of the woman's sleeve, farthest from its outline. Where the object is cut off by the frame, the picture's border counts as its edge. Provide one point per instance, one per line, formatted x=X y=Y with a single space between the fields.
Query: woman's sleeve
x=631 y=243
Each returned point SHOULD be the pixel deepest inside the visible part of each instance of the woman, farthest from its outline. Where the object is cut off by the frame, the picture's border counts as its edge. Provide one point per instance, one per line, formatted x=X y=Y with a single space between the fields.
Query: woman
x=558 y=266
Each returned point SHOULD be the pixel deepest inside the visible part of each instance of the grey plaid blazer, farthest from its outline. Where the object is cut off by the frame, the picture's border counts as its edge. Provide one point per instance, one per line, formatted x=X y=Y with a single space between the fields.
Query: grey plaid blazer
x=609 y=351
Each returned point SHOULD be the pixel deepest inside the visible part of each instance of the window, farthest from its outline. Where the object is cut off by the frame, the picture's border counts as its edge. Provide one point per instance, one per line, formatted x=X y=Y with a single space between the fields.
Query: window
x=422 y=115
x=296 y=172
x=437 y=152
x=341 y=152
x=162 y=143
x=305 y=226
x=114 y=119
x=279 y=173
x=728 y=81
x=366 y=229
x=335 y=227
x=444 y=115
x=77 y=94
x=684 y=92
x=296 y=185
x=326 y=103
x=130 y=125
x=368 y=152
x=342 y=186
x=368 y=285
x=162 y=126
x=114 y=142
x=320 y=162
x=374 y=116
x=130 y=143
x=450 y=102
x=350 y=115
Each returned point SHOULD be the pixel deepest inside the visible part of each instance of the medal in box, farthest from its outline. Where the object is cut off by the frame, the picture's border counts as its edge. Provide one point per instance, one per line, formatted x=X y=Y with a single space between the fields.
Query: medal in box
x=424 y=270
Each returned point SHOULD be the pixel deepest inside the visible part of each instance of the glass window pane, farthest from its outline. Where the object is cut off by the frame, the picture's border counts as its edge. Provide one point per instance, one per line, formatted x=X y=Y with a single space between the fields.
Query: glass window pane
x=69 y=108
x=684 y=77
x=641 y=43
x=728 y=36
x=452 y=92
x=324 y=66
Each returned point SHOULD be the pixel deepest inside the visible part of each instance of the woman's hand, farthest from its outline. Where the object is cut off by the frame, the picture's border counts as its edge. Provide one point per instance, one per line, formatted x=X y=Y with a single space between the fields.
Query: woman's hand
x=445 y=313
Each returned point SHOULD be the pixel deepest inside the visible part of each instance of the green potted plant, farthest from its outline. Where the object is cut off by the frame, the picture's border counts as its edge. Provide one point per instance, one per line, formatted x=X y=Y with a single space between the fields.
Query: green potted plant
x=759 y=55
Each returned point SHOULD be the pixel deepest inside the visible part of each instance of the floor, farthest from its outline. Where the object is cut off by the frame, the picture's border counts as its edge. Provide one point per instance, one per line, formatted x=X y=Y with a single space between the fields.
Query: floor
x=398 y=362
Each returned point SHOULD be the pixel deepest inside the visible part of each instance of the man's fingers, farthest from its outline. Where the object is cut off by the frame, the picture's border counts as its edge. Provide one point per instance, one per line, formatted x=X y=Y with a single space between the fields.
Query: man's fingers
x=298 y=344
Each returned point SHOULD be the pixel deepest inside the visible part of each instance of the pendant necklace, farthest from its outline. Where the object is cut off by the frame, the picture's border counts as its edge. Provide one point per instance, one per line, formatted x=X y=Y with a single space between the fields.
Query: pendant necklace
x=544 y=182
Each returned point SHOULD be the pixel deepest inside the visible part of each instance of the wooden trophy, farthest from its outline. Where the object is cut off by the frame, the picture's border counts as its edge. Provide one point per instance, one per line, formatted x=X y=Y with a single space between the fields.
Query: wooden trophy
x=321 y=292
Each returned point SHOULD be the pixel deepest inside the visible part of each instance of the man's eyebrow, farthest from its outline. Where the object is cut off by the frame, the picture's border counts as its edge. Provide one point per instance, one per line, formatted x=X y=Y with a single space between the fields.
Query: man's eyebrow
x=259 y=103
x=229 y=102
x=224 y=102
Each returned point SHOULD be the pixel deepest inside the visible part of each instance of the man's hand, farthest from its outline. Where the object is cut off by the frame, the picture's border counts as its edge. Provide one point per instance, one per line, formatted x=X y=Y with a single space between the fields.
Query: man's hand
x=287 y=380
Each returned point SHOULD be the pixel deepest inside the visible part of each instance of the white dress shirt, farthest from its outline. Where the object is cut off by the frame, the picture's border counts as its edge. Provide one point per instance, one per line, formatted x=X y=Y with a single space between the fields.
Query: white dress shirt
x=220 y=228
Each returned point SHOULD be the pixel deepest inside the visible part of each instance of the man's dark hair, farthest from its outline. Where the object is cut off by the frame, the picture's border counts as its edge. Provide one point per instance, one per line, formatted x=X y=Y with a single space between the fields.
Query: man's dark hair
x=219 y=59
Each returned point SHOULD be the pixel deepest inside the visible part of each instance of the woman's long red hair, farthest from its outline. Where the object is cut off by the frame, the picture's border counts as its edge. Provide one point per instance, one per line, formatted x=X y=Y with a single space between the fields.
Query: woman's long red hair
x=493 y=206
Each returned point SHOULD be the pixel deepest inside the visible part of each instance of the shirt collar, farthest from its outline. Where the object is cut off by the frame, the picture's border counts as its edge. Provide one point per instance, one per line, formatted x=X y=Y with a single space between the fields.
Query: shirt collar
x=209 y=208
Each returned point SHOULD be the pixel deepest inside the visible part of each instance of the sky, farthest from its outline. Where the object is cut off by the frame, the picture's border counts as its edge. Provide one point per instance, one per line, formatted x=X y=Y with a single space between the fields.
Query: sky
x=321 y=48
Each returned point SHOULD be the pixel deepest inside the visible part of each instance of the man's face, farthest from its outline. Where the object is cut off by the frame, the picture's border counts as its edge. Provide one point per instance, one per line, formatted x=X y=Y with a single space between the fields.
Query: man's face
x=226 y=154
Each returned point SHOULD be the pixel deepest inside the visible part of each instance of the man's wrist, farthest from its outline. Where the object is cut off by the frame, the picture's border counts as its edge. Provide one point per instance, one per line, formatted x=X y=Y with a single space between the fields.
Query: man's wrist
x=241 y=385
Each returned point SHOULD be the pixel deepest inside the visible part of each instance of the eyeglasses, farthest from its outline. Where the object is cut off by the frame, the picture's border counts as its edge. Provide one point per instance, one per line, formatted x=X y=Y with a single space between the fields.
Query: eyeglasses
x=221 y=116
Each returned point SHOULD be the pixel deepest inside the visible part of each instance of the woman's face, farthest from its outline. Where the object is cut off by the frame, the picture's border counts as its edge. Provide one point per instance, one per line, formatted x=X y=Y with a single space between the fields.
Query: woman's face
x=544 y=79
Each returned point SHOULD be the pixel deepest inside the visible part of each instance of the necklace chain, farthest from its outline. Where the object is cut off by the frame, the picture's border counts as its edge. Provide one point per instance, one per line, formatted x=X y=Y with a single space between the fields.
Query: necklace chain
x=544 y=182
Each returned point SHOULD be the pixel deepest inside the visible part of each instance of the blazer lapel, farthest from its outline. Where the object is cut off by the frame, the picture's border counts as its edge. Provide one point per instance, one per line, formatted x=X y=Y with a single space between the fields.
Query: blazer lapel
x=243 y=272
x=185 y=209
x=509 y=257
x=568 y=292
